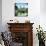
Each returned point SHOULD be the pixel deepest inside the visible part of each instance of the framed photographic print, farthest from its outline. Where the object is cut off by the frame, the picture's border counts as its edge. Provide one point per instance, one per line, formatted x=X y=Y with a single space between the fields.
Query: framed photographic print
x=21 y=9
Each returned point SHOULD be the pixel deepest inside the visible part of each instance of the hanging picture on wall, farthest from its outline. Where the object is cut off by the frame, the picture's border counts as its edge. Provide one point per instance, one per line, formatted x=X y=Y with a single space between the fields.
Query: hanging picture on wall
x=21 y=9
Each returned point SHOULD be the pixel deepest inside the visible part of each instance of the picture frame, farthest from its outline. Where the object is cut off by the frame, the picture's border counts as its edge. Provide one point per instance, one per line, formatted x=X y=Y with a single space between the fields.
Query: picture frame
x=21 y=9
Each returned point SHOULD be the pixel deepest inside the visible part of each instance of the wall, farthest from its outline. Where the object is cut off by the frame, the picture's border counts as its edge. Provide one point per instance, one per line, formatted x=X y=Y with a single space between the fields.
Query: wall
x=43 y=14
x=0 y=15
x=8 y=11
x=35 y=15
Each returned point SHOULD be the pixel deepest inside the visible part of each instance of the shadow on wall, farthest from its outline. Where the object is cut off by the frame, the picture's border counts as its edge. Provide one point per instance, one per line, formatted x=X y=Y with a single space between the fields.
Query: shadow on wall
x=0 y=15
x=43 y=6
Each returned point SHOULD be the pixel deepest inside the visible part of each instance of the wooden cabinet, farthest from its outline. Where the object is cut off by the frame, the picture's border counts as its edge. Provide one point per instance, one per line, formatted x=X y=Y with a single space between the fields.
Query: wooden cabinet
x=22 y=33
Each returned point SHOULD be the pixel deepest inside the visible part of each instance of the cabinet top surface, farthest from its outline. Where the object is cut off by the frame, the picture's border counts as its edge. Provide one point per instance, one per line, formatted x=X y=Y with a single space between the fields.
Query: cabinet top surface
x=19 y=23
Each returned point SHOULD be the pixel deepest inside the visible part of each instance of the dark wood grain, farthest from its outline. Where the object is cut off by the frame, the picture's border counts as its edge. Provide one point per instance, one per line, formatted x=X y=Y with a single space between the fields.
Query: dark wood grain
x=22 y=27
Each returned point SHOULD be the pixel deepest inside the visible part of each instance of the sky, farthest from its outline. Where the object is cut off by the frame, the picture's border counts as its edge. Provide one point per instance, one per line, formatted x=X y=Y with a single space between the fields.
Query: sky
x=25 y=1
x=22 y=5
